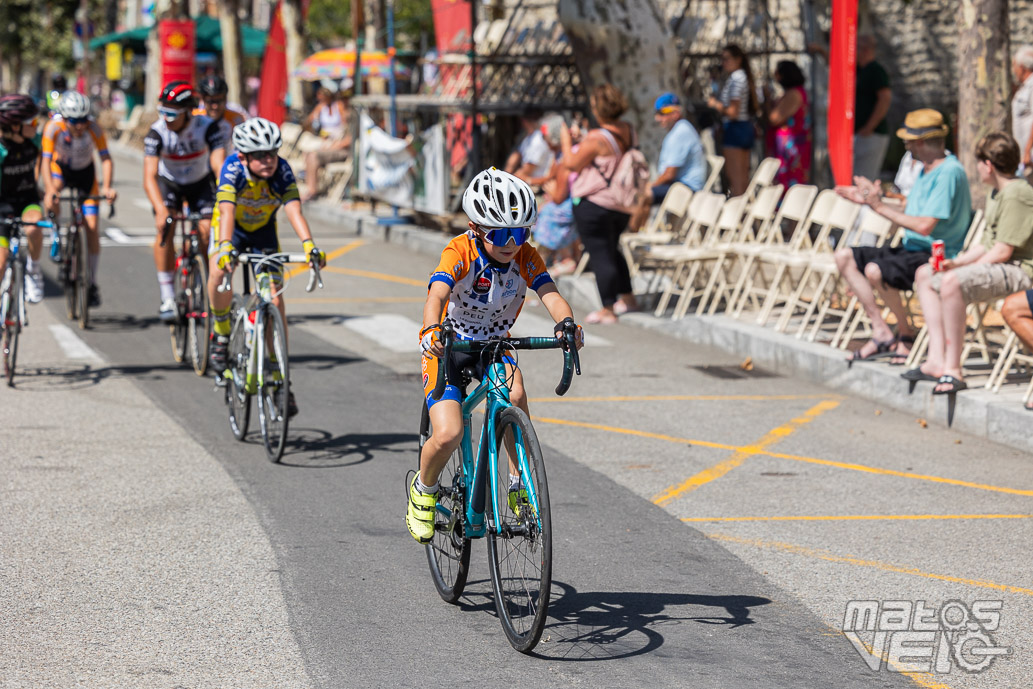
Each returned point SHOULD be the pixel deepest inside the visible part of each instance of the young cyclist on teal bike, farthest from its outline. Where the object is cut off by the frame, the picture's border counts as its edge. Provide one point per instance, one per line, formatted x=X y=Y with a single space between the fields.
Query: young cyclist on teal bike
x=479 y=287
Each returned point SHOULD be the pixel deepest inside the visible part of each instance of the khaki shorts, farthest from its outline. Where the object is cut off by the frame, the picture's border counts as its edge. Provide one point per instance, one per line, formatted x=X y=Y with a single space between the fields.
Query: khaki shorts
x=986 y=281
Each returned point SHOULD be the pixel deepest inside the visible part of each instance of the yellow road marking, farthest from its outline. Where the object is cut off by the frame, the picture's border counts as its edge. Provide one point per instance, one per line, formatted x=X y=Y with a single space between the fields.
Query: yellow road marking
x=884 y=566
x=779 y=455
x=902 y=474
x=376 y=276
x=356 y=300
x=743 y=453
x=682 y=398
x=340 y=251
x=857 y=517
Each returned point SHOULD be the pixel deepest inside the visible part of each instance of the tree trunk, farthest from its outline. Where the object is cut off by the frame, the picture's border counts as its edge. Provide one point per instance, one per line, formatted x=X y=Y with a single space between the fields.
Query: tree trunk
x=291 y=15
x=984 y=88
x=626 y=43
x=232 y=65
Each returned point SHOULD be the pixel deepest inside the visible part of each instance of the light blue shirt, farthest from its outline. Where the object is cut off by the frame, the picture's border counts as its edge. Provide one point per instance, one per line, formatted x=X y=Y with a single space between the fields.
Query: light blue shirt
x=942 y=194
x=683 y=149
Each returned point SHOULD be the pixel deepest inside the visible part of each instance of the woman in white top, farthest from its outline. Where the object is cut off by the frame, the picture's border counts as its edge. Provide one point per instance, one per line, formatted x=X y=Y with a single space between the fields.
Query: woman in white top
x=736 y=105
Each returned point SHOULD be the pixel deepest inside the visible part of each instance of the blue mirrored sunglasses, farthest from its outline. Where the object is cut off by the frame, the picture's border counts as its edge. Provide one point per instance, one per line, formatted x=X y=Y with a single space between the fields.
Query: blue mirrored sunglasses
x=78 y=120
x=169 y=113
x=502 y=236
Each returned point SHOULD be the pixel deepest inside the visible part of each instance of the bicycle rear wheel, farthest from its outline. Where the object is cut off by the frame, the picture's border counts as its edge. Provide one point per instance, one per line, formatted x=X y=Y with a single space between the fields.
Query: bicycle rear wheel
x=237 y=397
x=178 y=328
x=82 y=280
x=199 y=315
x=520 y=544
x=448 y=554
x=13 y=320
x=274 y=385
x=71 y=263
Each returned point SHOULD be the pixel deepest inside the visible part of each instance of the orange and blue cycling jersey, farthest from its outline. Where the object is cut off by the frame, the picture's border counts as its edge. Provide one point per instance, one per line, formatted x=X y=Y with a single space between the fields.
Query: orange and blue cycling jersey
x=70 y=156
x=62 y=147
x=486 y=296
x=485 y=301
x=230 y=119
x=256 y=199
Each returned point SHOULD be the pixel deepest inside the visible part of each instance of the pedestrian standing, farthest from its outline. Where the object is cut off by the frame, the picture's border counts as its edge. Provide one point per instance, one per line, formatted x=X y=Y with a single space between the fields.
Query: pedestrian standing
x=789 y=134
x=1022 y=106
x=871 y=103
x=737 y=105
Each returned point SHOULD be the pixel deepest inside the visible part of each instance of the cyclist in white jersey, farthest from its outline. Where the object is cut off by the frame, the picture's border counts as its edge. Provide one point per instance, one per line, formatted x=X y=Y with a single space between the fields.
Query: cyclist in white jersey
x=182 y=154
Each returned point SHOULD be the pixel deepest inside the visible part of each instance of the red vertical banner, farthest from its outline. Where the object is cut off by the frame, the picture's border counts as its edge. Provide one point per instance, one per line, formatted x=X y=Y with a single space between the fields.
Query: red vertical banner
x=842 y=84
x=178 y=46
x=272 y=94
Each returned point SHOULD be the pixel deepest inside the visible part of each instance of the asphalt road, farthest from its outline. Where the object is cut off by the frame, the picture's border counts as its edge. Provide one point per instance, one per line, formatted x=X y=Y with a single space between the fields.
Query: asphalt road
x=706 y=514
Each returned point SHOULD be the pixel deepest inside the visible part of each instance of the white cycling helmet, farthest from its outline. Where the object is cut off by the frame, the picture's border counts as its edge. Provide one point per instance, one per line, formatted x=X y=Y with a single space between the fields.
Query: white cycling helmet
x=256 y=134
x=498 y=199
x=73 y=105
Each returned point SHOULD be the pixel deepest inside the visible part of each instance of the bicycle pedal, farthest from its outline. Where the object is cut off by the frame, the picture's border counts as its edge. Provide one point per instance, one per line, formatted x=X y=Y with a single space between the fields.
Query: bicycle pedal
x=220 y=382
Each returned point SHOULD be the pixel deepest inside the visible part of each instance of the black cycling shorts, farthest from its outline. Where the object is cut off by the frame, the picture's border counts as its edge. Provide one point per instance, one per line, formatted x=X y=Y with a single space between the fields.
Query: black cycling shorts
x=199 y=196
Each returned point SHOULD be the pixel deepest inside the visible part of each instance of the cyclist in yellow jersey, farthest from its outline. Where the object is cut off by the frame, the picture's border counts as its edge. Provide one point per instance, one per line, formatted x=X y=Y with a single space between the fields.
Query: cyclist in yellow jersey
x=253 y=184
x=68 y=147
x=478 y=287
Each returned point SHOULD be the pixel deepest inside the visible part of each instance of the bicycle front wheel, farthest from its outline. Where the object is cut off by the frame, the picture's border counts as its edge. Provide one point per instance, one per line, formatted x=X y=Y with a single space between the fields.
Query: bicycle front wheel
x=71 y=269
x=82 y=280
x=274 y=385
x=199 y=315
x=520 y=540
x=448 y=553
x=237 y=397
x=13 y=320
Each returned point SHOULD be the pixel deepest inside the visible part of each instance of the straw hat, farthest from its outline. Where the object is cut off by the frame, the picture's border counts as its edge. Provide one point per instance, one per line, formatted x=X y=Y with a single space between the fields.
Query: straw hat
x=923 y=124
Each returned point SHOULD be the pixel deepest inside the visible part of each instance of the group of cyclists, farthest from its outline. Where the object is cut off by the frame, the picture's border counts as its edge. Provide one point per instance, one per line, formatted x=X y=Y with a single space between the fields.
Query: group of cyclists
x=202 y=156
x=213 y=161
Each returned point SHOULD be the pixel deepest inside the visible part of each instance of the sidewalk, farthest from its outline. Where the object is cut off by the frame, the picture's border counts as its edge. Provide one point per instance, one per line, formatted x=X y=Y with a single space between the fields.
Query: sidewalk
x=129 y=557
x=1000 y=418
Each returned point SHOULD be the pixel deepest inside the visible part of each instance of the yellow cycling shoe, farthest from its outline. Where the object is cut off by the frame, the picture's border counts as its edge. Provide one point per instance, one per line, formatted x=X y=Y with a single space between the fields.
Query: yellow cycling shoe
x=420 y=515
x=518 y=499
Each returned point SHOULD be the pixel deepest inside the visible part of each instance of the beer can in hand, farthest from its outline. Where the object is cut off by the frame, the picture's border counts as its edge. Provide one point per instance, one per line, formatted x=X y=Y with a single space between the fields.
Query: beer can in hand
x=939 y=254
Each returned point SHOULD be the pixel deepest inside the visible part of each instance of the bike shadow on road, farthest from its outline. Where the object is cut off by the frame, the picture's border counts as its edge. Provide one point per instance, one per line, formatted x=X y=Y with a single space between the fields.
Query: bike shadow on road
x=122 y=322
x=58 y=377
x=608 y=625
x=322 y=362
x=312 y=448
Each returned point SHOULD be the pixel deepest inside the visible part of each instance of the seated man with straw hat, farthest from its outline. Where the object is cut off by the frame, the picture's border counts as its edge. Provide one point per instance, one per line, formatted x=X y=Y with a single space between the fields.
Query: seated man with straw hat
x=938 y=207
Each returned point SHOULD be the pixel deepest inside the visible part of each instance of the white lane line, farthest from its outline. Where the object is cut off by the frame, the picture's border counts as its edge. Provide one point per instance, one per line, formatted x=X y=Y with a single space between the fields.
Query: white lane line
x=142 y=203
x=118 y=237
x=394 y=332
x=533 y=325
x=72 y=345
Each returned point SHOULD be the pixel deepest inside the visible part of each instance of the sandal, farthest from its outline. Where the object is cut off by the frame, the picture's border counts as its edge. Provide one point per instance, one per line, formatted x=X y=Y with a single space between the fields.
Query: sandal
x=901 y=359
x=883 y=349
x=602 y=316
x=1028 y=406
x=917 y=374
x=956 y=385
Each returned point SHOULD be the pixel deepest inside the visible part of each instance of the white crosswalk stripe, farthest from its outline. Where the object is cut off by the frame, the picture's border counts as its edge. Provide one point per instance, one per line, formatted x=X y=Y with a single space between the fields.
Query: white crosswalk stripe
x=72 y=345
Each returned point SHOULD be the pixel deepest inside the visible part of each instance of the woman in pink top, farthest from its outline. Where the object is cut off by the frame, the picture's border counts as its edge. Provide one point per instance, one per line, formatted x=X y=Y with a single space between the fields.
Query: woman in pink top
x=599 y=225
x=789 y=135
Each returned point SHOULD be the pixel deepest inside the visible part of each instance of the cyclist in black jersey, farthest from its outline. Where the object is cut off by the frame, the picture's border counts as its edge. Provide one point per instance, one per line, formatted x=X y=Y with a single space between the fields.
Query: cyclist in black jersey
x=19 y=192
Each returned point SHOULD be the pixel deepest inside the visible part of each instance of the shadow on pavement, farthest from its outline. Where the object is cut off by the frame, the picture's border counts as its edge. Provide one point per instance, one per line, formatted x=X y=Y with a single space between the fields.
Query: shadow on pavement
x=312 y=448
x=121 y=322
x=612 y=625
x=322 y=362
x=58 y=377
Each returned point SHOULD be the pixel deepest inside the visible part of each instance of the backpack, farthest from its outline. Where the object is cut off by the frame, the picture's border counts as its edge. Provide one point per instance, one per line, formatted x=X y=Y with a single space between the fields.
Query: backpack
x=620 y=192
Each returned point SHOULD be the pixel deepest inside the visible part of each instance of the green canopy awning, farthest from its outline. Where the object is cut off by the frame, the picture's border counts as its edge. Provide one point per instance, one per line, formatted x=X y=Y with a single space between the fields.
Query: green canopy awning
x=208 y=36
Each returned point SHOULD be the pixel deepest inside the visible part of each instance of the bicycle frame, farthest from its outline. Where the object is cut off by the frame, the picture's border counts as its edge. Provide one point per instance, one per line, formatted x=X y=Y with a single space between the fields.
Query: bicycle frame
x=15 y=254
x=492 y=388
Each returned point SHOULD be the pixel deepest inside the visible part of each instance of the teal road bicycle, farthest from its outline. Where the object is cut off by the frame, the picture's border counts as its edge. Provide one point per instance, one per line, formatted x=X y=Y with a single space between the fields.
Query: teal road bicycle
x=477 y=497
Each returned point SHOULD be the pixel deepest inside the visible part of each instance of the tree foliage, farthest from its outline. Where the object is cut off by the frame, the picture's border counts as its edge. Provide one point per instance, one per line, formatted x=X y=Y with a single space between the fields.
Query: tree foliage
x=330 y=22
x=36 y=34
